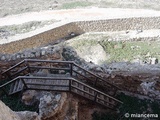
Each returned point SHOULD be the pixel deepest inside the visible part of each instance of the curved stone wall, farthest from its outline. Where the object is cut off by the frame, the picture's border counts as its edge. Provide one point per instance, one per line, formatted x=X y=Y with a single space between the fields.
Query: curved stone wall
x=80 y=27
x=40 y=39
x=119 y=24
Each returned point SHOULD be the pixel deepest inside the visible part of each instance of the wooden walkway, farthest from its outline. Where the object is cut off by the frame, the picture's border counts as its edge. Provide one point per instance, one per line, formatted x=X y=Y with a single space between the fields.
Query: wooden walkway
x=60 y=76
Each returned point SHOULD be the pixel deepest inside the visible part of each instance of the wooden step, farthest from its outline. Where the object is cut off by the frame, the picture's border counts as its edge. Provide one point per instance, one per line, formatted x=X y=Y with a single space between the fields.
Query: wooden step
x=48 y=88
x=47 y=82
x=11 y=88
x=20 y=85
x=50 y=75
x=16 y=86
x=58 y=84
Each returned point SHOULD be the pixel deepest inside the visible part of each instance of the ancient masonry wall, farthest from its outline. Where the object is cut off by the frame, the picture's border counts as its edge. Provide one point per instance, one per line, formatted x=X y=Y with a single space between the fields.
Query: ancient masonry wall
x=119 y=24
x=78 y=27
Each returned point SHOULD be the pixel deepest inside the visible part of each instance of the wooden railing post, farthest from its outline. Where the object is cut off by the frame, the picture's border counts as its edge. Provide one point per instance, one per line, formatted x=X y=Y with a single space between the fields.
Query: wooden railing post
x=71 y=69
x=95 y=83
x=95 y=97
x=27 y=64
x=24 y=83
x=70 y=81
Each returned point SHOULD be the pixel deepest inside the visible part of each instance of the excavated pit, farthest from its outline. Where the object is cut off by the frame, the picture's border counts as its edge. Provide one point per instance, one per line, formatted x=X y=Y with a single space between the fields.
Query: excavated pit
x=137 y=75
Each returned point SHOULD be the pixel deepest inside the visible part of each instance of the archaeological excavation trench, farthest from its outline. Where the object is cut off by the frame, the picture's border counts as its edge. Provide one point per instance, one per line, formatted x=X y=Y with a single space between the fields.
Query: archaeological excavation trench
x=134 y=74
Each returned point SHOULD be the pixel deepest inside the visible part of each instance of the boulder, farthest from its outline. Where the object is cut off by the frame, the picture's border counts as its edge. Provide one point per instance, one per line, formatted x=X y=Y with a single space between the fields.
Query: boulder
x=153 y=61
x=50 y=104
x=92 y=53
x=148 y=89
x=27 y=115
x=29 y=97
x=6 y=113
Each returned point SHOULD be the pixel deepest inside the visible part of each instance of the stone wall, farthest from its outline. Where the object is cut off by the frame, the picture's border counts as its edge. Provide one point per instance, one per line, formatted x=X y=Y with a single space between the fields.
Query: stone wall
x=40 y=39
x=48 y=52
x=55 y=51
x=119 y=24
x=80 y=27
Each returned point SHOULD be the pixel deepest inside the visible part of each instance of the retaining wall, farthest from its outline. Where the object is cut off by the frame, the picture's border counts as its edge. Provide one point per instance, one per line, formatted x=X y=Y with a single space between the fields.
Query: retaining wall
x=119 y=24
x=80 y=27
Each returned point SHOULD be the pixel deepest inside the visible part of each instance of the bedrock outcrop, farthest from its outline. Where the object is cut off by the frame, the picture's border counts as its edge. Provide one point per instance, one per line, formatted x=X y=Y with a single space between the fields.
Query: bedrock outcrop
x=6 y=113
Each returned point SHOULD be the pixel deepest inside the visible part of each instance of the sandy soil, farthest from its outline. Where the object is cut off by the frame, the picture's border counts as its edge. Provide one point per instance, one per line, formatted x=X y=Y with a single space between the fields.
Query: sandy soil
x=10 y=7
x=77 y=14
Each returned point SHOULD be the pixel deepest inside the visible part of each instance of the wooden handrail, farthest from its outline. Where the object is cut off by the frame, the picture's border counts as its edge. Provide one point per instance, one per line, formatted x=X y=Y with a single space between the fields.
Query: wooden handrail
x=49 y=61
x=81 y=75
x=70 y=86
x=83 y=91
x=35 y=60
x=24 y=68
x=48 y=78
x=39 y=84
x=14 y=66
x=52 y=78
x=52 y=68
x=95 y=90
x=96 y=99
x=95 y=76
x=9 y=82
x=71 y=63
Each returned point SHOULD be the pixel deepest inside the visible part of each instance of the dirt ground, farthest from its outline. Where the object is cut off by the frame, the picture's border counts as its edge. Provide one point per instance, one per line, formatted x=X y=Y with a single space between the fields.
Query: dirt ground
x=9 y=7
x=25 y=15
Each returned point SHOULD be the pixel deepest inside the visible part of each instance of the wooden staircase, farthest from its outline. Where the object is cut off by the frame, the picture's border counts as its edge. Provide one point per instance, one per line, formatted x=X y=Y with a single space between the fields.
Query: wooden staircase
x=61 y=76
x=16 y=86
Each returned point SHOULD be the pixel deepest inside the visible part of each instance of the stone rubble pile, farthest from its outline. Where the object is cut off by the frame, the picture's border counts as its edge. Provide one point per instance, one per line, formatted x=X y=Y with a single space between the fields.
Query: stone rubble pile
x=32 y=53
x=148 y=89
